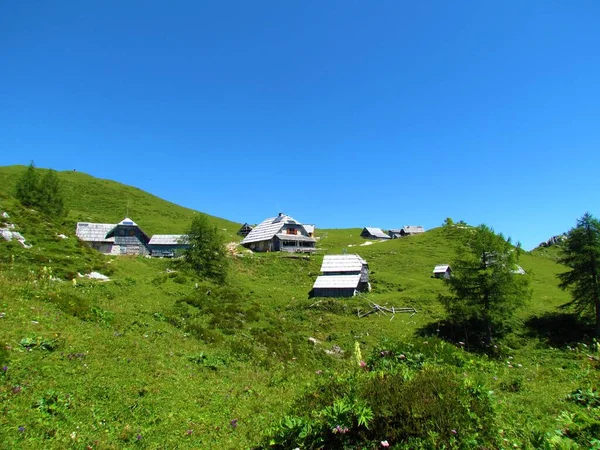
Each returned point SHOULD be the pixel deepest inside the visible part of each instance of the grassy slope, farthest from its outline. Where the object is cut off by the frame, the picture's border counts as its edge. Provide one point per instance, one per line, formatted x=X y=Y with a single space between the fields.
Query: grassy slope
x=93 y=199
x=125 y=368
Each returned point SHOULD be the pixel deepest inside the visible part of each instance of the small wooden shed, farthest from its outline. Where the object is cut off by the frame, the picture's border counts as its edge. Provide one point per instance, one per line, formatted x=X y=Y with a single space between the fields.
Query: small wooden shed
x=343 y=276
x=336 y=285
x=442 y=271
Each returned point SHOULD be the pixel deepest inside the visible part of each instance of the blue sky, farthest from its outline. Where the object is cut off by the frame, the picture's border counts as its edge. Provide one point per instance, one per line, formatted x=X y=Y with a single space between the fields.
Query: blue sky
x=339 y=113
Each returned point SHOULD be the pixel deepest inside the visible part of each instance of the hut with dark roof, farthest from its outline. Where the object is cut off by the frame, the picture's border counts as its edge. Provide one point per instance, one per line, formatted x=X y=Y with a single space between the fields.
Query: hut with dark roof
x=127 y=238
x=245 y=230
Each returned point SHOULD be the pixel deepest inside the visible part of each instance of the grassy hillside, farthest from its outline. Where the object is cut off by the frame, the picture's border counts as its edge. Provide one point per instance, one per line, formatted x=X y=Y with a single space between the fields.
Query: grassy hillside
x=91 y=199
x=156 y=358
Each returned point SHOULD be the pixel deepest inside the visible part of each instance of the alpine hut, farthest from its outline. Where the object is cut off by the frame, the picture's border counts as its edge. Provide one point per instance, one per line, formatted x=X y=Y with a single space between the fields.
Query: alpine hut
x=245 y=230
x=343 y=276
x=410 y=230
x=279 y=234
x=127 y=238
x=373 y=233
x=167 y=245
x=442 y=271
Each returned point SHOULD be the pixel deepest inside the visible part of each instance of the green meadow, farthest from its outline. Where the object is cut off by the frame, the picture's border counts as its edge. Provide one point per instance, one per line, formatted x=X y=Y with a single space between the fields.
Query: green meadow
x=157 y=358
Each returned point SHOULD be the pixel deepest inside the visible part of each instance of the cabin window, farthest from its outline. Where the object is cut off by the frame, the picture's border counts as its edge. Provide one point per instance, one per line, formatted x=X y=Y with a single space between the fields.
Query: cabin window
x=132 y=232
x=292 y=231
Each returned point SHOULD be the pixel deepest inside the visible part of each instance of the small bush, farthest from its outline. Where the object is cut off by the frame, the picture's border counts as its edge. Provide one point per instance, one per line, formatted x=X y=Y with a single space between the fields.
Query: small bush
x=72 y=304
x=41 y=343
x=412 y=397
x=589 y=398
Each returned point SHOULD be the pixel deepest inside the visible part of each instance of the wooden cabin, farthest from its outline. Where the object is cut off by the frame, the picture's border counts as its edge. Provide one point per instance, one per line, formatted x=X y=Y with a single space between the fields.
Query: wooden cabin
x=442 y=271
x=280 y=234
x=168 y=245
x=410 y=230
x=127 y=238
x=343 y=276
x=373 y=233
x=245 y=230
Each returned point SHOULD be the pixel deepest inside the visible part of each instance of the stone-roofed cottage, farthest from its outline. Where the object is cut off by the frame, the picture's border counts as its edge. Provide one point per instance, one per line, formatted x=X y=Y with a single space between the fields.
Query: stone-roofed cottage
x=127 y=238
x=279 y=234
x=442 y=271
x=167 y=245
x=407 y=230
x=245 y=230
x=373 y=233
x=343 y=276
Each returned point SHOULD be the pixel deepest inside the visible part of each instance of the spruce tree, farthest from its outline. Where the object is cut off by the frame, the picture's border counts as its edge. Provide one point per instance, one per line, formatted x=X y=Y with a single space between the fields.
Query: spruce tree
x=485 y=290
x=206 y=254
x=27 y=191
x=51 y=201
x=581 y=253
x=43 y=194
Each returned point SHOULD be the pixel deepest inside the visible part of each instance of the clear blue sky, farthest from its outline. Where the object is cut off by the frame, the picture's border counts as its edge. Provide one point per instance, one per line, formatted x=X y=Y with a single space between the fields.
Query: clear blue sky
x=339 y=113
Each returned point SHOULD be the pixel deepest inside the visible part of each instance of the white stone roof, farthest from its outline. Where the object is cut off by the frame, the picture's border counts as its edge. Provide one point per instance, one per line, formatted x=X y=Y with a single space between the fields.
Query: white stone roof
x=337 y=281
x=309 y=228
x=295 y=237
x=94 y=232
x=441 y=268
x=377 y=232
x=268 y=228
x=342 y=263
x=168 y=239
x=412 y=229
x=127 y=221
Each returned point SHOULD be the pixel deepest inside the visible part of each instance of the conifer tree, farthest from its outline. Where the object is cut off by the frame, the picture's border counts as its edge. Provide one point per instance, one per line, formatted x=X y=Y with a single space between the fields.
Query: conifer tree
x=51 y=200
x=43 y=194
x=28 y=187
x=581 y=253
x=485 y=290
x=206 y=253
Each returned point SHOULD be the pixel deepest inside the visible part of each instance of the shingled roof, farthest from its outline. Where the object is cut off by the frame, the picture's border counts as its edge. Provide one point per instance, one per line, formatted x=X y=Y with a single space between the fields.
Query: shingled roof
x=342 y=263
x=441 y=268
x=168 y=239
x=268 y=228
x=337 y=281
x=377 y=232
x=413 y=229
x=94 y=232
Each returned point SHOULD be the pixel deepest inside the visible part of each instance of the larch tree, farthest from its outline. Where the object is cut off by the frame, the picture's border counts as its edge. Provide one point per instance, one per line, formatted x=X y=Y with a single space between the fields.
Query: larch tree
x=51 y=200
x=581 y=254
x=484 y=287
x=206 y=254
x=44 y=194
x=28 y=187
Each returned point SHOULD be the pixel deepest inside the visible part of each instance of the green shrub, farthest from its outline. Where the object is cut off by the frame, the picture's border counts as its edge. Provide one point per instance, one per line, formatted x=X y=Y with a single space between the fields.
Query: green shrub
x=3 y=357
x=71 y=304
x=589 y=398
x=40 y=342
x=415 y=399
